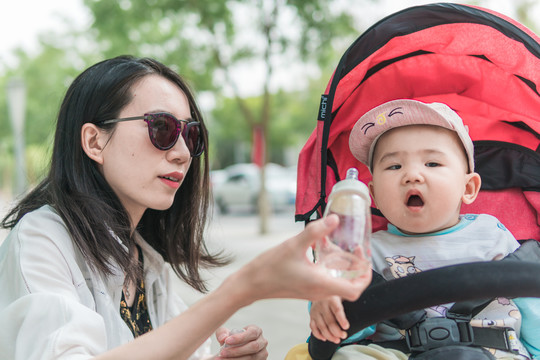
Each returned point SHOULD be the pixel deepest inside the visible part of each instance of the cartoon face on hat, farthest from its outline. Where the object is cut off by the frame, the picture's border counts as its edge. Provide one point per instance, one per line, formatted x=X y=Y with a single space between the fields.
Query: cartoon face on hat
x=373 y=124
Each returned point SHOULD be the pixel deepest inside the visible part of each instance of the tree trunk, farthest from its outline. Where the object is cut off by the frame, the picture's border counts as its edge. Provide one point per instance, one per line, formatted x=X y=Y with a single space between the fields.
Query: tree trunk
x=264 y=204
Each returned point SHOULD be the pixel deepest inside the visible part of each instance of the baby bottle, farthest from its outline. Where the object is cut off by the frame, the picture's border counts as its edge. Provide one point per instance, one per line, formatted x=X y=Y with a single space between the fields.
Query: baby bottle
x=346 y=252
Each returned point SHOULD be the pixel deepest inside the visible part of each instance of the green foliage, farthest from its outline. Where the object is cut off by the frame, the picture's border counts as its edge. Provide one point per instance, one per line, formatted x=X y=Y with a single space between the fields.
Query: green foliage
x=524 y=14
x=38 y=160
x=220 y=44
x=176 y=32
x=201 y=36
x=291 y=125
x=7 y=163
x=46 y=77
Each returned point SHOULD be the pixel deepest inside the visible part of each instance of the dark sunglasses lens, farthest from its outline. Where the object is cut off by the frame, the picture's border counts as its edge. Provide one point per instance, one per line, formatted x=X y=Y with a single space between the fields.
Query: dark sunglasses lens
x=164 y=131
x=192 y=137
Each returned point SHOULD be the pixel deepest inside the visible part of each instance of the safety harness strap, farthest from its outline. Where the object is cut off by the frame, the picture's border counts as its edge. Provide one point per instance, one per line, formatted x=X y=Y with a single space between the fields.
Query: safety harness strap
x=419 y=340
x=379 y=301
x=424 y=334
x=496 y=338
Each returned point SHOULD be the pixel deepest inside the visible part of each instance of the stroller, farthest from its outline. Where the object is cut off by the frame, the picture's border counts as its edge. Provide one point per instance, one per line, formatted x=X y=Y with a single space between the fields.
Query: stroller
x=486 y=67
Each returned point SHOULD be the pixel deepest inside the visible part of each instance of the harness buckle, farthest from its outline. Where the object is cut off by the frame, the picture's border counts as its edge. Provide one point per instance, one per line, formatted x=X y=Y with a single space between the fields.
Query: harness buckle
x=514 y=345
x=435 y=332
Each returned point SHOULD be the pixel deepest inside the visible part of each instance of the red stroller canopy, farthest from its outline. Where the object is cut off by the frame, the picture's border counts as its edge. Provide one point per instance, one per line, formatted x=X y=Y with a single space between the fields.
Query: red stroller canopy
x=483 y=65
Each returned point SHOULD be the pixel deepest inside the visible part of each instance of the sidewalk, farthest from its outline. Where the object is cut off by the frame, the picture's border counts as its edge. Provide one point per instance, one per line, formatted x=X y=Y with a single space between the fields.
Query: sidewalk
x=284 y=322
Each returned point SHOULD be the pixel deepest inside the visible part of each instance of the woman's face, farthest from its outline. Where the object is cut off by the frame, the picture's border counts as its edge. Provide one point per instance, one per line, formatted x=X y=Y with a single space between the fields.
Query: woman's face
x=141 y=175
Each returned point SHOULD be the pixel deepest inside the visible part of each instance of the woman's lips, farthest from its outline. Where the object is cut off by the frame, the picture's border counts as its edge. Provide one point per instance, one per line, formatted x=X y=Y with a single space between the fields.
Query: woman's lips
x=173 y=179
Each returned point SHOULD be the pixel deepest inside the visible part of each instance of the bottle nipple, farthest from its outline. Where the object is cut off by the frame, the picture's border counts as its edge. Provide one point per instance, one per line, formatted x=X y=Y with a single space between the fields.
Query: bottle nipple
x=352 y=173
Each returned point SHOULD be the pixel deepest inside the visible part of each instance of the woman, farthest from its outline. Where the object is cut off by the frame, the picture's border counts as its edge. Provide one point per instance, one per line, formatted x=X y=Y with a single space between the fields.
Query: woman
x=83 y=269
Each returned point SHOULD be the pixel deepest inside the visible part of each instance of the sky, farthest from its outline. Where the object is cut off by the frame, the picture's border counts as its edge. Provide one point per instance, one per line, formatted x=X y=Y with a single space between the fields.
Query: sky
x=23 y=21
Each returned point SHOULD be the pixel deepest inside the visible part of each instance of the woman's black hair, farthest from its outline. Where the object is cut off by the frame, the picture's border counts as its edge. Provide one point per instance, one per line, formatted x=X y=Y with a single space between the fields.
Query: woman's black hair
x=92 y=212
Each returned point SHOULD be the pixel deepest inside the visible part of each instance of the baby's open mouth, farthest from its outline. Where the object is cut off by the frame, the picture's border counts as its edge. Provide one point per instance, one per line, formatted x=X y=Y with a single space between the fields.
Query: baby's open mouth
x=415 y=200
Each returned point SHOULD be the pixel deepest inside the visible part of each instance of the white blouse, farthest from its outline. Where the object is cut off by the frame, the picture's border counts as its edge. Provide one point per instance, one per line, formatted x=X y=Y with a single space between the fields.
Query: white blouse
x=53 y=306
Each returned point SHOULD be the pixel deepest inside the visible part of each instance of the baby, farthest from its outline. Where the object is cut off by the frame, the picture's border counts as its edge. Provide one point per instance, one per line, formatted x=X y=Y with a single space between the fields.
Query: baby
x=422 y=161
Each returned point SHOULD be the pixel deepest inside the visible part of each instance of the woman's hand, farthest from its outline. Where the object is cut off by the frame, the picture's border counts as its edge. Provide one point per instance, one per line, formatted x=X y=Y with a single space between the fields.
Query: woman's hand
x=285 y=271
x=247 y=343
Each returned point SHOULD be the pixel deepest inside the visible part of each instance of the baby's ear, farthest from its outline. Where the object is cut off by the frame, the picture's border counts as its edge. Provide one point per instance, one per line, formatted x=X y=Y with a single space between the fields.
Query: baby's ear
x=371 y=192
x=472 y=187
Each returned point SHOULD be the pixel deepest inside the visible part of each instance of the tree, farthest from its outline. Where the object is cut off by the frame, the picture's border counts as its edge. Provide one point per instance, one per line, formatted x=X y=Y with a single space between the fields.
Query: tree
x=222 y=44
x=523 y=10
x=291 y=123
x=46 y=76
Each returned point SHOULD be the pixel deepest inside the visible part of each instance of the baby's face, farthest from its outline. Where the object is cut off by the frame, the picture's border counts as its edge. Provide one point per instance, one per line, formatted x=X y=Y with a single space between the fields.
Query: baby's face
x=419 y=178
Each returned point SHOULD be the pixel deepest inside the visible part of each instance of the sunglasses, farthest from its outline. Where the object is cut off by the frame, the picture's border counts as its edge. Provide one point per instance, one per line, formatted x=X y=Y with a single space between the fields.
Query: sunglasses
x=164 y=130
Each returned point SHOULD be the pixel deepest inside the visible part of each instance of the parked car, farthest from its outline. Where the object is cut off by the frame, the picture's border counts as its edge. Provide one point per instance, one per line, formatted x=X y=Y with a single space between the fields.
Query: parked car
x=217 y=177
x=241 y=187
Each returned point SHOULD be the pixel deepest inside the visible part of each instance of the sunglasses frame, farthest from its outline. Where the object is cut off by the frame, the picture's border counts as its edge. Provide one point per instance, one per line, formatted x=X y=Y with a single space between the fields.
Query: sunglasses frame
x=149 y=118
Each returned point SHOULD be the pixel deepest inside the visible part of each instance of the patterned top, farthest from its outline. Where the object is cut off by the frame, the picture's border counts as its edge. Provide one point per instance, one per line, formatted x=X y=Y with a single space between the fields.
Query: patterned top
x=136 y=317
x=475 y=238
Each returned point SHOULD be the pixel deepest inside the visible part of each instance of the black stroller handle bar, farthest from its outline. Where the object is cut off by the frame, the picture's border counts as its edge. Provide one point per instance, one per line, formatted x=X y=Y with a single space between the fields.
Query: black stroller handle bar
x=482 y=280
x=383 y=300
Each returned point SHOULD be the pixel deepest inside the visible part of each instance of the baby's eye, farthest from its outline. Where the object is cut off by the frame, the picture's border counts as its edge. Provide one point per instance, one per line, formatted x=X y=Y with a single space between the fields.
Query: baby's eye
x=393 y=167
x=432 y=164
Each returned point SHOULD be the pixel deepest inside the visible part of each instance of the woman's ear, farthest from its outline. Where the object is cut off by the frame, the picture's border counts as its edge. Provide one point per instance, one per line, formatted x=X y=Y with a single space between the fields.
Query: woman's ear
x=472 y=187
x=93 y=141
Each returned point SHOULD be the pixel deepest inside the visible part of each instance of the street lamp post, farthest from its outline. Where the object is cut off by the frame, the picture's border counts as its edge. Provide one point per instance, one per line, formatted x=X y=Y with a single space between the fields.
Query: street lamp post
x=16 y=99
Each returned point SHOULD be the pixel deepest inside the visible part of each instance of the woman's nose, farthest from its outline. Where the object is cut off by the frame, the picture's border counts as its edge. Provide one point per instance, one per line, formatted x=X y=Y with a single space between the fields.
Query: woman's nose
x=179 y=152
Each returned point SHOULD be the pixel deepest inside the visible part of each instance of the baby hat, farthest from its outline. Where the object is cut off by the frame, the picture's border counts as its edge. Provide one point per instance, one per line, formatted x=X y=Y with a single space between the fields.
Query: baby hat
x=396 y=113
